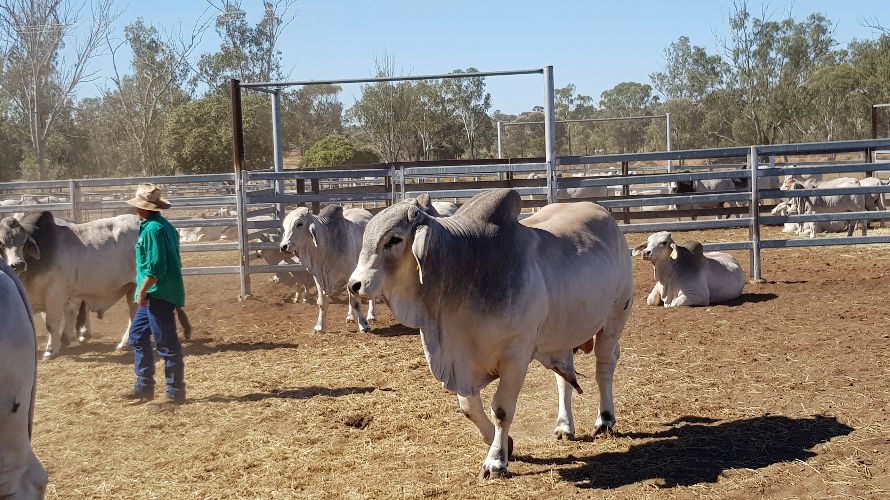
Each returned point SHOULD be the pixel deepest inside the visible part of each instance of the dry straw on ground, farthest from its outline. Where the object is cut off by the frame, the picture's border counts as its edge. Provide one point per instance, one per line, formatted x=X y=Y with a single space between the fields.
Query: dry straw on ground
x=784 y=394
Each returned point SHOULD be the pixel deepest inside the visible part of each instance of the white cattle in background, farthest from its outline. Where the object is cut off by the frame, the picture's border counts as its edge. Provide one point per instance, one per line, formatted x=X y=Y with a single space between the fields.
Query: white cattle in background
x=686 y=275
x=301 y=281
x=490 y=294
x=827 y=204
x=328 y=244
x=22 y=476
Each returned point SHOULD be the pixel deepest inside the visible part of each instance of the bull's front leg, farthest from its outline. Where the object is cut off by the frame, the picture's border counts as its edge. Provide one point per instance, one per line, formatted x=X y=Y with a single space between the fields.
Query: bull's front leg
x=371 y=315
x=323 y=301
x=53 y=316
x=503 y=409
x=356 y=305
x=124 y=344
x=656 y=295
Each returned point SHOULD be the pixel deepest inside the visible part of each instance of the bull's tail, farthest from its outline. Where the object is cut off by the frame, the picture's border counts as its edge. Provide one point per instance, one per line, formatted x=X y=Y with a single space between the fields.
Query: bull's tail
x=184 y=321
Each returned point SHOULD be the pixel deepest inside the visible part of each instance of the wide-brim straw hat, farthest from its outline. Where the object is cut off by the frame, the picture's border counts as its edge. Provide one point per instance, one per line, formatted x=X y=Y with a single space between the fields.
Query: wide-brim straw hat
x=148 y=197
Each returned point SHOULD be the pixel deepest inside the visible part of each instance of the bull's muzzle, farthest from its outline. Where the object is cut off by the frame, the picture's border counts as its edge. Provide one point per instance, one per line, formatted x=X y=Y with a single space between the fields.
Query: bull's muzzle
x=285 y=247
x=19 y=266
x=647 y=254
x=355 y=286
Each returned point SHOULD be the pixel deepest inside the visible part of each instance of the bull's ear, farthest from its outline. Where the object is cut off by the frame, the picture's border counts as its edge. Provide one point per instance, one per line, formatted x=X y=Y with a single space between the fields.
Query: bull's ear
x=420 y=248
x=638 y=249
x=32 y=249
x=312 y=232
x=674 y=251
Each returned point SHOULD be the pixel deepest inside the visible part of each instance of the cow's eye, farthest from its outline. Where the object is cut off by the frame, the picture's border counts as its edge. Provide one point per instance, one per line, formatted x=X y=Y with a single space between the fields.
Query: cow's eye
x=395 y=240
x=663 y=243
x=300 y=224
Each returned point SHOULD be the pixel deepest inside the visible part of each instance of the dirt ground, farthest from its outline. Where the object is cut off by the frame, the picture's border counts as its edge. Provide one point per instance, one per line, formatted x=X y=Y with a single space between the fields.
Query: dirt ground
x=783 y=393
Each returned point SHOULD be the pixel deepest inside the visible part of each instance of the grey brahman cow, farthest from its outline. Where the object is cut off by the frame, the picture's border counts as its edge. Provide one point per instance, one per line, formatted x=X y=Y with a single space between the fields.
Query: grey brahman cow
x=22 y=476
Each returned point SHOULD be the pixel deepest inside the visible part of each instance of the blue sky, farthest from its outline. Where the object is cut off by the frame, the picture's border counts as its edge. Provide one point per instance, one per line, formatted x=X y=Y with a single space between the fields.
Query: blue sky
x=593 y=44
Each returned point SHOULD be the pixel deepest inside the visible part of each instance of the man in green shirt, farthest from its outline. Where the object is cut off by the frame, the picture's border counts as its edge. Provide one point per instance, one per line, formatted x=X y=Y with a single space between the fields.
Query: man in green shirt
x=159 y=290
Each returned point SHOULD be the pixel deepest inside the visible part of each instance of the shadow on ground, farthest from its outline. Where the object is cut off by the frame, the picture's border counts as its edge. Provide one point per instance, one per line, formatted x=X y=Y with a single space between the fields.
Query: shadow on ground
x=105 y=352
x=750 y=298
x=301 y=393
x=694 y=450
x=395 y=330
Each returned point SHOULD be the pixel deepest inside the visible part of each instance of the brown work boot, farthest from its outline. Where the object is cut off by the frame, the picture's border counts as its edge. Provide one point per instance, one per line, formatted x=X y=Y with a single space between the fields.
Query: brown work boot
x=135 y=396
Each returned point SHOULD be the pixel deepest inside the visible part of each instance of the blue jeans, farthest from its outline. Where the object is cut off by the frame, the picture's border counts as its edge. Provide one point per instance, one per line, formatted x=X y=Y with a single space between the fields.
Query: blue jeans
x=157 y=319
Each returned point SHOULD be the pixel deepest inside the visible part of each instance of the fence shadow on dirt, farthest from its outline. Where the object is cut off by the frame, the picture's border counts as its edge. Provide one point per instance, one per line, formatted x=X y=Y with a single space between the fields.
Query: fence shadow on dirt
x=301 y=393
x=105 y=352
x=695 y=450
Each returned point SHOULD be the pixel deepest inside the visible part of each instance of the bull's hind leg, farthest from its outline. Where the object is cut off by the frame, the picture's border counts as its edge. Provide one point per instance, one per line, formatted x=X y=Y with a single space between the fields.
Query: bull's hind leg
x=607 y=350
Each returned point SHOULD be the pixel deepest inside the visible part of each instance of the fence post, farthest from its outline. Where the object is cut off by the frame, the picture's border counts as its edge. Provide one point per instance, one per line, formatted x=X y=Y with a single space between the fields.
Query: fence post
x=277 y=150
x=667 y=119
x=754 y=231
x=74 y=199
x=316 y=188
x=238 y=160
x=550 y=134
x=625 y=190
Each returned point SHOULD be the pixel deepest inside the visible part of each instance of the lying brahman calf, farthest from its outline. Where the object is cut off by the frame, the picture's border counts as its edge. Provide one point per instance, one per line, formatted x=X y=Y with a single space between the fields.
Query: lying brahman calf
x=21 y=474
x=687 y=276
x=490 y=294
x=328 y=245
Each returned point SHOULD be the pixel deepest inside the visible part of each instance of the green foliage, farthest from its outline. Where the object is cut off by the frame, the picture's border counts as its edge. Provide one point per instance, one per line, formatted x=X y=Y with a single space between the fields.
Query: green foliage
x=197 y=137
x=336 y=150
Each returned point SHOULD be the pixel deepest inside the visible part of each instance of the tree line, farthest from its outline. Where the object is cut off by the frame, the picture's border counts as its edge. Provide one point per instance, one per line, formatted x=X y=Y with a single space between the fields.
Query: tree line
x=167 y=110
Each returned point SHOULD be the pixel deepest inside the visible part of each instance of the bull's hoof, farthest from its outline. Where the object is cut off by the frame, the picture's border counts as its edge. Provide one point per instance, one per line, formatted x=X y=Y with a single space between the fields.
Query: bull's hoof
x=83 y=339
x=296 y=300
x=372 y=317
x=604 y=424
x=364 y=329
x=48 y=355
x=564 y=435
x=123 y=348
x=350 y=319
x=490 y=473
x=318 y=328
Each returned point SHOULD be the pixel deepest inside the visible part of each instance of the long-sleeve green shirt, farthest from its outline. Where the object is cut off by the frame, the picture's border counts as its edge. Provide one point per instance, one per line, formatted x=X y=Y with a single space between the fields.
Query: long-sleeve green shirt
x=157 y=256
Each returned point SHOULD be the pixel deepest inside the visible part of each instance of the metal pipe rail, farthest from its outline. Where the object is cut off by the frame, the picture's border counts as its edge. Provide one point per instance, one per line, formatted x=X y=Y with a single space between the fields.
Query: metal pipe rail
x=474 y=169
x=774 y=194
x=574 y=182
x=833 y=168
x=675 y=200
x=685 y=225
x=842 y=216
x=316 y=174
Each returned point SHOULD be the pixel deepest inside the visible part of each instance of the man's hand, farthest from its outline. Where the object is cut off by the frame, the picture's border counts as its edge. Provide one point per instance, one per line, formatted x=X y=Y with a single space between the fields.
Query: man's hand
x=142 y=296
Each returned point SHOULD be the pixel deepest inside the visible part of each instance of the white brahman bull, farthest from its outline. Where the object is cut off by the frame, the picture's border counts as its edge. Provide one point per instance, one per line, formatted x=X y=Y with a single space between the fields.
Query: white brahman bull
x=685 y=275
x=64 y=266
x=328 y=245
x=22 y=476
x=490 y=294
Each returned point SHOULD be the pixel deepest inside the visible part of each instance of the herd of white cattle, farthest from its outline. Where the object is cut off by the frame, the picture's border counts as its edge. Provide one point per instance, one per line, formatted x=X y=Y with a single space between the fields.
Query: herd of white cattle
x=488 y=292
